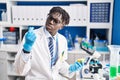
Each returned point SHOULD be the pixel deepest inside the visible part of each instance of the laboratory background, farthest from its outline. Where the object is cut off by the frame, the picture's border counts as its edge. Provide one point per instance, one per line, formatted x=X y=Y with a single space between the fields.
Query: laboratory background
x=94 y=28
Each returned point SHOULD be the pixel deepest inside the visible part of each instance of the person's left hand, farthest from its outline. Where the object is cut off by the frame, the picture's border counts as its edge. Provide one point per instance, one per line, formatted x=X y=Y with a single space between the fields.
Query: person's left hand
x=117 y=78
x=76 y=66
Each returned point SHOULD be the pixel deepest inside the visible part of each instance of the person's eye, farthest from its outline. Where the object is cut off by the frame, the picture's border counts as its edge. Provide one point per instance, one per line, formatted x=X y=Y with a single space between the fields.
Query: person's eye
x=56 y=21
x=51 y=18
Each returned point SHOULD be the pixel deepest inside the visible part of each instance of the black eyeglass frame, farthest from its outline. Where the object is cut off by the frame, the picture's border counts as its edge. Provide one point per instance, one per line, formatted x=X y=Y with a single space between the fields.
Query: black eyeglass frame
x=56 y=21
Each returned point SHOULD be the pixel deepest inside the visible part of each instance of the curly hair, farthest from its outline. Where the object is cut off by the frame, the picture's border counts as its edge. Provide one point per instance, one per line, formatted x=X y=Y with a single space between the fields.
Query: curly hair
x=65 y=15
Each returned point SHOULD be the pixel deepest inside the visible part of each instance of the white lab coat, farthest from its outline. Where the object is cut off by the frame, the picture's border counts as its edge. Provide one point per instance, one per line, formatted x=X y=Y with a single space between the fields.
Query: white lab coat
x=38 y=65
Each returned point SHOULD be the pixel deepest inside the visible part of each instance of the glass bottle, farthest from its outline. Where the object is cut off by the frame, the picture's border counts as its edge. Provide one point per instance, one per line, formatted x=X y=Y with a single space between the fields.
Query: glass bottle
x=76 y=43
x=69 y=40
x=4 y=15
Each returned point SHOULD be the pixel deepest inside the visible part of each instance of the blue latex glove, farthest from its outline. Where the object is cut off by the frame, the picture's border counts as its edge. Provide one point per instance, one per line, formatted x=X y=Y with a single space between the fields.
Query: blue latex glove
x=76 y=66
x=30 y=38
x=3 y=39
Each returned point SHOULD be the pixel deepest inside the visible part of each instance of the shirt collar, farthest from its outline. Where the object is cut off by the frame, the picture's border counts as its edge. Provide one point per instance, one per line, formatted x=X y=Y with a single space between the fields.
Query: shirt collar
x=49 y=35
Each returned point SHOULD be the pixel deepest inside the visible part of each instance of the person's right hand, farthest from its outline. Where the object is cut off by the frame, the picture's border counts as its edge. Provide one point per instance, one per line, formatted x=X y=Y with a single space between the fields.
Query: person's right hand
x=30 y=38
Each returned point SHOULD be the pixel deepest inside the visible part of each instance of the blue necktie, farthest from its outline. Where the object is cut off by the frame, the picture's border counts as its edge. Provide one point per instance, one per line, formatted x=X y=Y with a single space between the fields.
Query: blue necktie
x=51 y=47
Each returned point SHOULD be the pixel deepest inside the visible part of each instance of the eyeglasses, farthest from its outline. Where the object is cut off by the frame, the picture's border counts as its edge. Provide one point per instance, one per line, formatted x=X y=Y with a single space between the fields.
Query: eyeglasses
x=55 y=20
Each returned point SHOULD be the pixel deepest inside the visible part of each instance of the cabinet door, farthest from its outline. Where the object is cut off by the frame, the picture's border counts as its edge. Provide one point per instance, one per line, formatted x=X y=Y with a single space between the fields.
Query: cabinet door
x=3 y=72
x=3 y=66
x=30 y=15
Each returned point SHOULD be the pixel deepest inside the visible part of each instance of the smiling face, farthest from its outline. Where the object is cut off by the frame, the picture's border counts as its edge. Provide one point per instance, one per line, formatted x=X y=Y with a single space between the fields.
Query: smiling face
x=54 y=23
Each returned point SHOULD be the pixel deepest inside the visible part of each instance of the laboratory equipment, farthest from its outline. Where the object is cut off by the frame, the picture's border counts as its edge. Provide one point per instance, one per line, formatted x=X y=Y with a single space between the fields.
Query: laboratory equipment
x=101 y=45
x=100 y=14
x=69 y=40
x=11 y=36
x=2 y=39
x=87 y=46
x=91 y=66
x=4 y=15
x=114 y=61
x=76 y=43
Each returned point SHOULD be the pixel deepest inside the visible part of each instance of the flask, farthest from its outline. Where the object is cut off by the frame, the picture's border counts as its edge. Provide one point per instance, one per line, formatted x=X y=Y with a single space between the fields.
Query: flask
x=4 y=16
x=76 y=43
x=96 y=41
x=114 y=60
x=83 y=43
x=70 y=42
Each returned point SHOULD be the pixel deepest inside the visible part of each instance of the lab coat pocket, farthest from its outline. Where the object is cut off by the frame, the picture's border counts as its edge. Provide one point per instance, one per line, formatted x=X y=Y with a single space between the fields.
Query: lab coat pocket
x=55 y=73
x=58 y=63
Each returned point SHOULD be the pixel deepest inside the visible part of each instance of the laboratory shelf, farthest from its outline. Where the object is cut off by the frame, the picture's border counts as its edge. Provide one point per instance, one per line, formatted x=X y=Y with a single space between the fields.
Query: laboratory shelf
x=3 y=22
x=50 y=0
x=9 y=48
x=10 y=59
x=3 y=1
x=80 y=51
x=80 y=18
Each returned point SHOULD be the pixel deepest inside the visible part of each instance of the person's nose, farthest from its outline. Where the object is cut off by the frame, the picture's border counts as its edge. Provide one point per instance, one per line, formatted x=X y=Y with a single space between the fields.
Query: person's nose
x=51 y=22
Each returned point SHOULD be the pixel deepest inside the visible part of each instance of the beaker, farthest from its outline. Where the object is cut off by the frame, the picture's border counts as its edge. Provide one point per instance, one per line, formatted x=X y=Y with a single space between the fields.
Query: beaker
x=119 y=64
x=114 y=60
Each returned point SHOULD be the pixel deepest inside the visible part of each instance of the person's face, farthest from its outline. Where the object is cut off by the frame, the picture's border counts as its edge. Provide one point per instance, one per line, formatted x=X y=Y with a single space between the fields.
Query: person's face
x=54 y=23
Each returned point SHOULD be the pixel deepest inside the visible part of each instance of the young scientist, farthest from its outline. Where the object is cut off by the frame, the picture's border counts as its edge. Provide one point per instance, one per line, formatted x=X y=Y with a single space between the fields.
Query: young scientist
x=43 y=51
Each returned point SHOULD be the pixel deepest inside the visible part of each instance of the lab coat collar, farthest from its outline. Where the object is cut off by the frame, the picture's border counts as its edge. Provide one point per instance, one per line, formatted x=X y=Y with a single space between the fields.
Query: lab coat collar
x=49 y=35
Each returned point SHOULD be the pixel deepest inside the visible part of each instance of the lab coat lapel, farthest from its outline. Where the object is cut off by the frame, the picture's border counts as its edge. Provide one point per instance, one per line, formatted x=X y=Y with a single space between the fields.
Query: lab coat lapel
x=44 y=43
x=60 y=47
x=59 y=53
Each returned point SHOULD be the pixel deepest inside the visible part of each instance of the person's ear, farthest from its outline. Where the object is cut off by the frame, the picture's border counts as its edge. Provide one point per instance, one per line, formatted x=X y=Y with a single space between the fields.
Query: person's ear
x=63 y=23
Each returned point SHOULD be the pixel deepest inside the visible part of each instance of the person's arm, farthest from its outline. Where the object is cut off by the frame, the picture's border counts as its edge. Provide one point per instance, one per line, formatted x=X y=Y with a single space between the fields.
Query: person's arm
x=22 y=60
x=69 y=70
x=66 y=69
